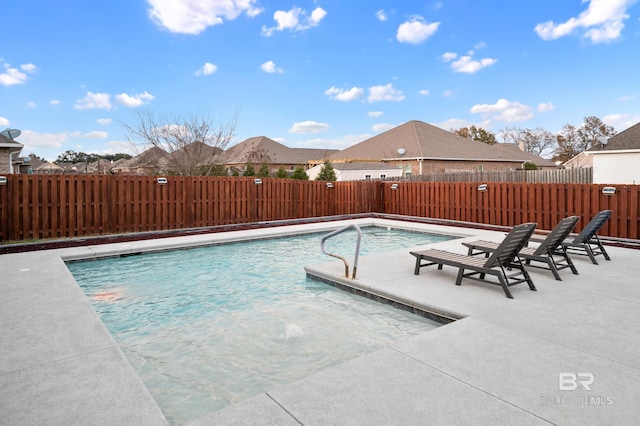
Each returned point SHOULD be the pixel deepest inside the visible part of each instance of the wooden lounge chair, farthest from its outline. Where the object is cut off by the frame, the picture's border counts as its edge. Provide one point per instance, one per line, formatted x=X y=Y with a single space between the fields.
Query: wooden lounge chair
x=504 y=263
x=549 y=248
x=587 y=241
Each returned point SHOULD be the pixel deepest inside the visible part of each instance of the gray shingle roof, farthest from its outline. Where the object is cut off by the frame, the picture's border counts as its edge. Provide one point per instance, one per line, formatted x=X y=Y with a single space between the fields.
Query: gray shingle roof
x=627 y=139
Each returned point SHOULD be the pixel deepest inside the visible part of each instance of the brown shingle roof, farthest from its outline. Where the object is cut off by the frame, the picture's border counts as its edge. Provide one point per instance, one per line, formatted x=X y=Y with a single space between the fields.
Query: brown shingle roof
x=260 y=149
x=421 y=140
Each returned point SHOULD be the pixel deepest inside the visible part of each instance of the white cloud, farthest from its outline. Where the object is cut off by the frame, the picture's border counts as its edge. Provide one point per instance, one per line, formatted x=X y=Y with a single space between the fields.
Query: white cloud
x=544 y=107
x=385 y=93
x=271 y=68
x=627 y=98
x=344 y=95
x=449 y=56
x=33 y=140
x=134 y=100
x=12 y=76
x=423 y=92
x=194 y=16
x=381 y=15
x=294 y=20
x=207 y=69
x=307 y=127
x=447 y=93
x=382 y=127
x=465 y=63
x=416 y=31
x=621 y=121
x=54 y=102
x=31 y=104
x=94 y=101
x=602 y=21
x=104 y=121
x=454 y=123
x=375 y=114
x=504 y=110
x=4 y=121
x=96 y=134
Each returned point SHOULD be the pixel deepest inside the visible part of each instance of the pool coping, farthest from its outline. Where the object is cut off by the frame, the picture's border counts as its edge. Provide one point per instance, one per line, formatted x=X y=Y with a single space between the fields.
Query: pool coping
x=44 y=352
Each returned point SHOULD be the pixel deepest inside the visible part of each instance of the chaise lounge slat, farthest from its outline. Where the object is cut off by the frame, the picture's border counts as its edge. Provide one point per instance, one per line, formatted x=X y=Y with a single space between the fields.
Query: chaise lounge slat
x=503 y=263
x=551 y=251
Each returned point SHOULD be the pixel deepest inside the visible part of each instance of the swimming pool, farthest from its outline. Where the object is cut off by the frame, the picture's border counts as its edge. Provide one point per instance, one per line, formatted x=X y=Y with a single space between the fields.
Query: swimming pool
x=210 y=326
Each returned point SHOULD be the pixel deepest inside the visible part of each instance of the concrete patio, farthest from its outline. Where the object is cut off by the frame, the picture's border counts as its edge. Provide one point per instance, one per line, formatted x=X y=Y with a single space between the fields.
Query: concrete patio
x=501 y=364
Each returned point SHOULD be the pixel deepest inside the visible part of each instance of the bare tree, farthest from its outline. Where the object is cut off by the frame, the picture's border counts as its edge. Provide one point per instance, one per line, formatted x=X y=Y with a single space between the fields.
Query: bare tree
x=568 y=143
x=193 y=144
x=537 y=141
x=592 y=129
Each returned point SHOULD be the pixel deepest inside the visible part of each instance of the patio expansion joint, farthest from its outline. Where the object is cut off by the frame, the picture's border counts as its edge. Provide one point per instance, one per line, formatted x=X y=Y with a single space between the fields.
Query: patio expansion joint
x=65 y=358
x=283 y=408
x=472 y=386
x=564 y=345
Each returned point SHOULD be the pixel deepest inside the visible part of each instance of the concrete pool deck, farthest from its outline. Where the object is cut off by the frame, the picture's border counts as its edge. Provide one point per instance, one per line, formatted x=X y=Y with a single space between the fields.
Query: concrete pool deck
x=500 y=364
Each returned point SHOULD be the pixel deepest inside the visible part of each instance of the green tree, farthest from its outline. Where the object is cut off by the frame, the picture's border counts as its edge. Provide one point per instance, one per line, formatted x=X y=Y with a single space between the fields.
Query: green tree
x=327 y=172
x=282 y=173
x=477 y=134
x=264 y=170
x=235 y=172
x=213 y=170
x=249 y=170
x=299 y=174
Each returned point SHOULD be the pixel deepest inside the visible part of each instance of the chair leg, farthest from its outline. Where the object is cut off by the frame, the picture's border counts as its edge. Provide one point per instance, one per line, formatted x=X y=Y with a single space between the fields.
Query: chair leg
x=417 y=269
x=552 y=266
x=460 y=275
x=505 y=286
x=569 y=261
x=602 y=250
x=587 y=247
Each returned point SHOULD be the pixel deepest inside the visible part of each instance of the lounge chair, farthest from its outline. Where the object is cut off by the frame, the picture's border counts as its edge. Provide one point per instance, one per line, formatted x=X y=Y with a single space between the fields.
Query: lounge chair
x=504 y=263
x=549 y=248
x=587 y=241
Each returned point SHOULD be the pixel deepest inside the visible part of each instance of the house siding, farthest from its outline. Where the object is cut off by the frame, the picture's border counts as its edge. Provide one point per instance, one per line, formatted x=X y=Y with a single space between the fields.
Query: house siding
x=442 y=166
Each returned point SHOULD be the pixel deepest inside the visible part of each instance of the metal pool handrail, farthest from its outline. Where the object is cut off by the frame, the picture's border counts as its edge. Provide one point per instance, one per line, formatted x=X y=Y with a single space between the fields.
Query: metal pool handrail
x=355 y=258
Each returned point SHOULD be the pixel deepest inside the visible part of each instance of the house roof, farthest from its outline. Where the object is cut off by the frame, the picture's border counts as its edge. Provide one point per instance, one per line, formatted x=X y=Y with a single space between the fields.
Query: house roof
x=152 y=157
x=419 y=140
x=13 y=146
x=197 y=153
x=261 y=149
x=627 y=139
x=50 y=166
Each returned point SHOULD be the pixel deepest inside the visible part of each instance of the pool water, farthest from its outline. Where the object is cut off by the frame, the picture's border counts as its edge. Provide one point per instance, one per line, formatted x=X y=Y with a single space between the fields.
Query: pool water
x=207 y=327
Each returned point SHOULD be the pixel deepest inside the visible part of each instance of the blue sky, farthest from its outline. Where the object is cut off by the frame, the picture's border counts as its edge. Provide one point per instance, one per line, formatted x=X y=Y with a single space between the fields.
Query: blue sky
x=313 y=74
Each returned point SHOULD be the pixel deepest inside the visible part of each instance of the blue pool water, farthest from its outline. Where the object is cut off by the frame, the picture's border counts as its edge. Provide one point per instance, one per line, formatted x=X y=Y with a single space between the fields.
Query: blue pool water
x=208 y=327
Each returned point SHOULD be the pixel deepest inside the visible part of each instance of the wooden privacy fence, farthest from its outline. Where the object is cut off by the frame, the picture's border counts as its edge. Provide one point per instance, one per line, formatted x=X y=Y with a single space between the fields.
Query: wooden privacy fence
x=578 y=175
x=509 y=204
x=35 y=207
